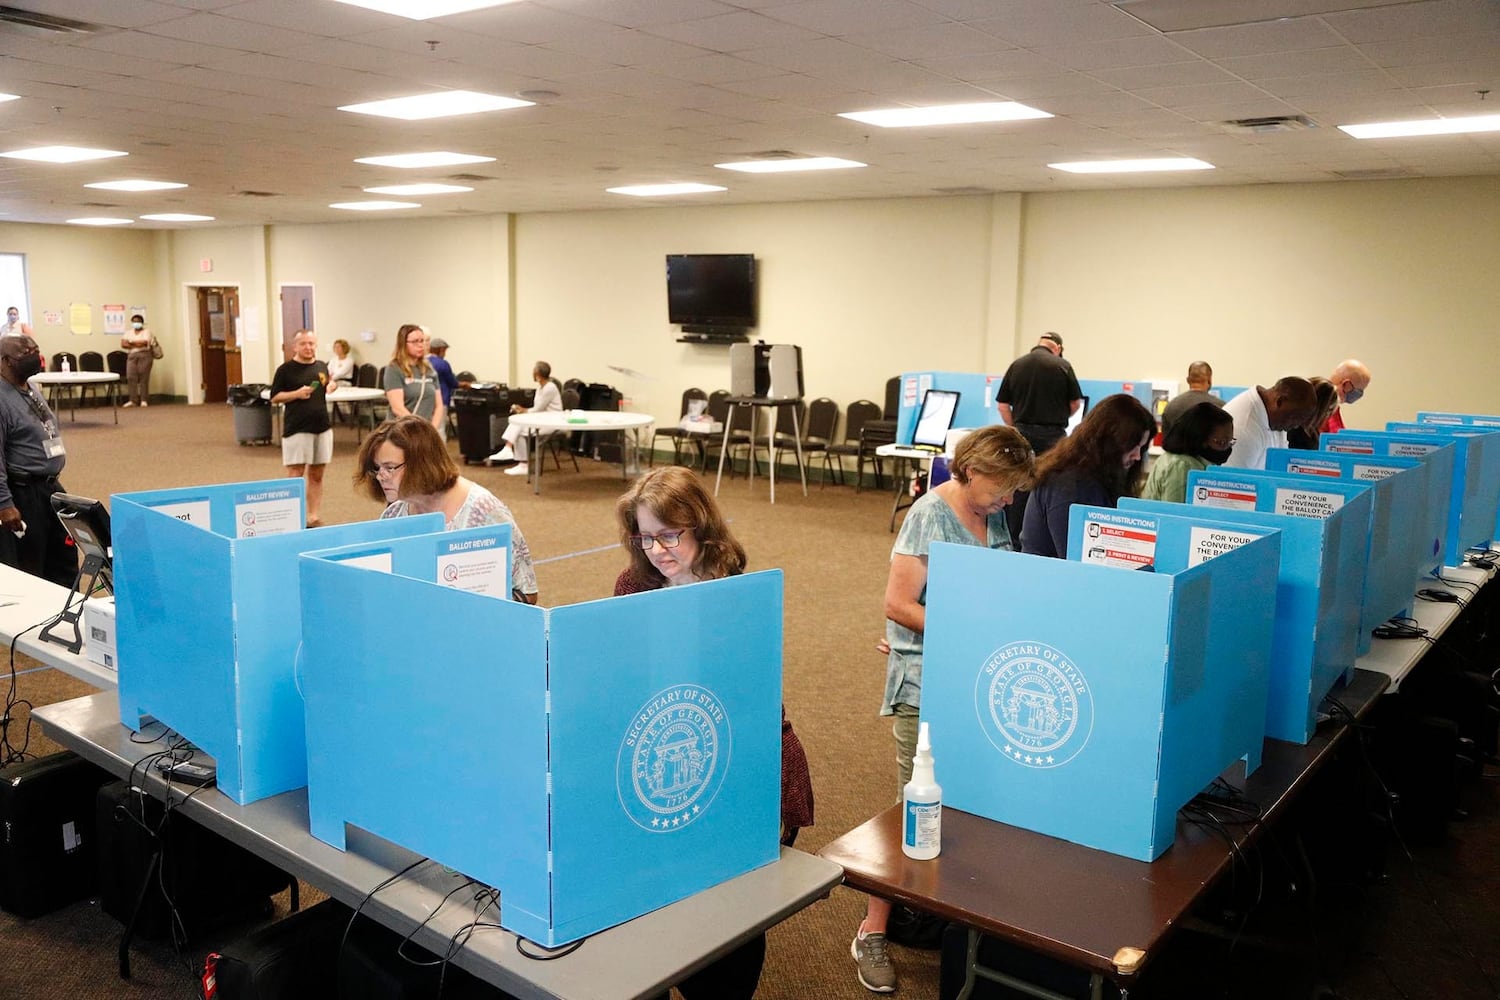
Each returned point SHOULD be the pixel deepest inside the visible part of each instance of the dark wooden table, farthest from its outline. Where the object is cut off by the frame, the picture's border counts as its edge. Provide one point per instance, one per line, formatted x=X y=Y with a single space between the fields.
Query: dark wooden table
x=1097 y=911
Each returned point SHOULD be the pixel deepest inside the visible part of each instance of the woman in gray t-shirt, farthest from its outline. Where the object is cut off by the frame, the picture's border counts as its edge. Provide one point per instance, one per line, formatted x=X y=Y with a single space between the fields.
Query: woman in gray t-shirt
x=411 y=386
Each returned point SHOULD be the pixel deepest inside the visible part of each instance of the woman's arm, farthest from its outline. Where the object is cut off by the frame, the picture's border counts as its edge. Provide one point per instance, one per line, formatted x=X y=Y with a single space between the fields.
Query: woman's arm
x=439 y=414
x=396 y=399
x=903 y=592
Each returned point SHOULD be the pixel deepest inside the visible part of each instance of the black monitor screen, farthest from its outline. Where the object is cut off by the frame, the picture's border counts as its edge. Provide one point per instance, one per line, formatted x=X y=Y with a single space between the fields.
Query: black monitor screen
x=939 y=407
x=87 y=522
x=715 y=289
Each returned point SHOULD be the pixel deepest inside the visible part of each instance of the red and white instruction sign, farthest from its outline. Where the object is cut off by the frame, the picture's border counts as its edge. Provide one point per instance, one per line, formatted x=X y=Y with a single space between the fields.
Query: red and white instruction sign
x=1130 y=546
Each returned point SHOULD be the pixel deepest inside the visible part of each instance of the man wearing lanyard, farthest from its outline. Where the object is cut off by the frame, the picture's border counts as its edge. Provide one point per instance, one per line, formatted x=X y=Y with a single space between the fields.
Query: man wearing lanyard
x=31 y=453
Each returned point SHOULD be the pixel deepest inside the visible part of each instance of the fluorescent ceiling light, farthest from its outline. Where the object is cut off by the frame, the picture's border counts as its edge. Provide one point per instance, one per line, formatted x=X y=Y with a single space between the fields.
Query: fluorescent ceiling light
x=9 y=97
x=423 y=10
x=100 y=221
x=657 y=190
x=946 y=114
x=408 y=161
x=373 y=206
x=1132 y=166
x=1430 y=126
x=409 y=190
x=177 y=217
x=790 y=165
x=442 y=104
x=136 y=185
x=62 y=154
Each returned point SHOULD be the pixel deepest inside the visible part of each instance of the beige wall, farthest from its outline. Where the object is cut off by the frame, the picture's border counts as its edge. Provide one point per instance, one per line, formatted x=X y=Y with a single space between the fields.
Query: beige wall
x=73 y=264
x=867 y=288
x=1262 y=281
x=1277 y=280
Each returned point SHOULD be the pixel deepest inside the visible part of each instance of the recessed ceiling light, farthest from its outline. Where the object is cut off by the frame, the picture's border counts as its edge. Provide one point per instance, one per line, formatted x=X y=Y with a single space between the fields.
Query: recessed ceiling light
x=1430 y=126
x=1132 y=166
x=410 y=161
x=62 y=154
x=410 y=190
x=422 y=10
x=177 y=217
x=946 y=114
x=657 y=190
x=373 y=206
x=136 y=185
x=443 y=104
x=788 y=166
x=100 y=221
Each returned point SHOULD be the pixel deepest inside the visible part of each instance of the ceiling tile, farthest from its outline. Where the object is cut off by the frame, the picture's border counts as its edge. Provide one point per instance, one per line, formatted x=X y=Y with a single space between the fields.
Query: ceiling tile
x=1258 y=39
x=733 y=32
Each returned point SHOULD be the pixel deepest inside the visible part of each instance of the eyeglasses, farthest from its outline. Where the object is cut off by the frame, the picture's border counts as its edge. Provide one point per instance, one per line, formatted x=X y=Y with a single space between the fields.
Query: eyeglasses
x=666 y=539
x=1216 y=443
x=389 y=469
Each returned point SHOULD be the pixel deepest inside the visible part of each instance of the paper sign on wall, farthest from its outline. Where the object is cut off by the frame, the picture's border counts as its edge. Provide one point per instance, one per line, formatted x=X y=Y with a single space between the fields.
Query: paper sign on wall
x=267 y=512
x=114 y=318
x=52 y=317
x=1230 y=497
x=1129 y=546
x=191 y=511
x=1205 y=543
x=1307 y=503
x=477 y=565
x=909 y=390
x=81 y=318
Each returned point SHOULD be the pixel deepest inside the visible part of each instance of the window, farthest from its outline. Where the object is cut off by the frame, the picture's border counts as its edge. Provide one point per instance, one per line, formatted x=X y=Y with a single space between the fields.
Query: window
x=13 y=285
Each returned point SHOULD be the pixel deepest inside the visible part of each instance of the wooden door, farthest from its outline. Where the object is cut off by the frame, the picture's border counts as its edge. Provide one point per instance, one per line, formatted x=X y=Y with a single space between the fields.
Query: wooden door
x=234 y=369
x=296 y=314
x=212 y=329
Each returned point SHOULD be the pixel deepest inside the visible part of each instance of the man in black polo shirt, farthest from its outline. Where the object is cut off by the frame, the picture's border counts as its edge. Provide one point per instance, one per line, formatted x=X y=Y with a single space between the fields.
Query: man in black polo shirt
x=32 y=539
x=1038 y=394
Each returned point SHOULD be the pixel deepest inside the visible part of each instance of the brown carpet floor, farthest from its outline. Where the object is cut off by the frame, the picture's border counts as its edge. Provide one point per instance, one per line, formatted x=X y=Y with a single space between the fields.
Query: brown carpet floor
x=833 y=546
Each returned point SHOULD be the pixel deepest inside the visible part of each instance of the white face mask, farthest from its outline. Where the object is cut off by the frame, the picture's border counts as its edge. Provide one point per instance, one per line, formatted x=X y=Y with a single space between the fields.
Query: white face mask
x=138 y=326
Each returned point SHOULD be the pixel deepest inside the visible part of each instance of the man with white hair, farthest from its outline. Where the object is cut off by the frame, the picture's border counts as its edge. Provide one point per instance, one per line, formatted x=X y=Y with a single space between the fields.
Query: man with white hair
x=1351 y=378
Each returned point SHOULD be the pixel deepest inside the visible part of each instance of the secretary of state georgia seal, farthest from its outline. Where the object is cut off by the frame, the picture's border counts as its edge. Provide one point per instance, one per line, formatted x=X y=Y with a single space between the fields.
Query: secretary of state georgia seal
x=673 y=758
x=1034 y=704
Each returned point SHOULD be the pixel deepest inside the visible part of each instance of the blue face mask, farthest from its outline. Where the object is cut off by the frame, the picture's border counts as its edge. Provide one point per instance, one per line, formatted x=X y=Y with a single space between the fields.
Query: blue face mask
x=1353 y=395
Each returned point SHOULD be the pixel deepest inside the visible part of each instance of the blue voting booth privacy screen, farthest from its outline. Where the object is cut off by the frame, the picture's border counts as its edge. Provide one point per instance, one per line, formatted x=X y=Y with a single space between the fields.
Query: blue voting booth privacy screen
x=976 y=401
x=1446 y=461
x=208 y=620
x=1481 y=503
x=1096 y=735
x=593 y=762
x=1476 y=420
x=1320 y=640
x=1395 y=560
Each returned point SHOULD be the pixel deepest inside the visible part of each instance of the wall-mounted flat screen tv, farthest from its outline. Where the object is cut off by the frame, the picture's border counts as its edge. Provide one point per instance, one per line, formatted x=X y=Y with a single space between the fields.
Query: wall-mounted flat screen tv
x=714 y=290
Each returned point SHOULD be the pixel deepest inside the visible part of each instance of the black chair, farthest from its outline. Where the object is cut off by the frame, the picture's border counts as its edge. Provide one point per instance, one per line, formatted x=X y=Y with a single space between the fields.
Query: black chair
x=89 y=361
x=57 y=361
x=855 y=417
x=787 y=431
x=557 y=443
x=892 y=398
x=367 y=376
x=676 y=434
x=817 y=432
x=115 y=362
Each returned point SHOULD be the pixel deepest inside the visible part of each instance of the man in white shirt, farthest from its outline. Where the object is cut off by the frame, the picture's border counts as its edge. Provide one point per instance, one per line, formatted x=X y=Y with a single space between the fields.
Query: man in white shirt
x=1263 y=416
x=547 y=398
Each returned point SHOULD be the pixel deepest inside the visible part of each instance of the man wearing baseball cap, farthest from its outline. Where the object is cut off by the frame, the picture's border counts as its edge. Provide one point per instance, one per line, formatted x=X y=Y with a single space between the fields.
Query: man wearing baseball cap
x=437 y=357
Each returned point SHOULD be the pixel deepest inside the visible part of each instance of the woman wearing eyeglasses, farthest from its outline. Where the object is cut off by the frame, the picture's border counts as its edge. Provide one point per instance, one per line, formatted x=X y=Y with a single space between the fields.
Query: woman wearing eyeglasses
x=988 y=467
x=675 y=535
x=1200 y=437
x=404 y=463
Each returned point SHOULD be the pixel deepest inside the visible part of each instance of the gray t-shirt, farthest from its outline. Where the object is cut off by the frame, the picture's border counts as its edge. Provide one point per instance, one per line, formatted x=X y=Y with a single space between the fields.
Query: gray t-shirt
x=419 y=389
x=929 y=520
x=30 y=442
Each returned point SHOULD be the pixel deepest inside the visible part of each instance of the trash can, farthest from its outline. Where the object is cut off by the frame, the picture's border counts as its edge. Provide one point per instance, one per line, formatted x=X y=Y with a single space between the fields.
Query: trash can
x=482 y=411
x=252 y=413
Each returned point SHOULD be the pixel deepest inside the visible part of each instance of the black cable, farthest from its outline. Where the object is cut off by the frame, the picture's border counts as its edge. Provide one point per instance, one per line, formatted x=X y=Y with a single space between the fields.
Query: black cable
x=1400 y=627
x=1435 y=596
x=400 y=948
x=344 y=941
x=489 y=897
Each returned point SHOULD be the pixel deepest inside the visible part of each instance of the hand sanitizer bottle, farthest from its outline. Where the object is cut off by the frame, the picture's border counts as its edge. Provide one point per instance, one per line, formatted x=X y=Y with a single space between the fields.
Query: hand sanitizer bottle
x=65 y=366
x=922 y=805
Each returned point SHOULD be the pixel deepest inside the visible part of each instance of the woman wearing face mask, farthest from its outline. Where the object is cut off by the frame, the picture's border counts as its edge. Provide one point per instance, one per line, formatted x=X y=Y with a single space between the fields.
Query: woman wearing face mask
x=137 y=341
x=1201 y=437
x=1100 y=462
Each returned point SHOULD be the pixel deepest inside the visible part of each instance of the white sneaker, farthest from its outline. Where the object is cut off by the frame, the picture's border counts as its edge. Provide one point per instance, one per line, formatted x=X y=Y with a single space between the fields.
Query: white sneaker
x=506 y=454
x=144 y=403
x=517 y=470
x=126 y=403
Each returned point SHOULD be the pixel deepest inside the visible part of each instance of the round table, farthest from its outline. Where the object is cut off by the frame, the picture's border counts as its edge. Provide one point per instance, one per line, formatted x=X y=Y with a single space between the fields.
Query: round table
x=81 y=380
x=536 y=425
x=353 y=394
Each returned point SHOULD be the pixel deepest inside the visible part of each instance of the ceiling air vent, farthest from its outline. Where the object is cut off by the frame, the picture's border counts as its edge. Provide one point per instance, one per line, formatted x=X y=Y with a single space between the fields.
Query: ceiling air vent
x=1274 y=123
x=257 y=194
x=34 y=23
x=970 y=189
x=775 y=154
x=468 y=178
x=1374 y=174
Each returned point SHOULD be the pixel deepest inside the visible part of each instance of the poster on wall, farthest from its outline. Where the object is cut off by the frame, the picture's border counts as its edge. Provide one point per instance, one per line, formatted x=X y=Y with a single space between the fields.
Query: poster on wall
x=114 y=319
x=52 y=317
x=81 y=318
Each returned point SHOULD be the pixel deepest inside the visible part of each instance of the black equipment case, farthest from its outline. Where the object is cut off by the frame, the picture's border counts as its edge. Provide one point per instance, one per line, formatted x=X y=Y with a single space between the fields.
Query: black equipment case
x=47 y=843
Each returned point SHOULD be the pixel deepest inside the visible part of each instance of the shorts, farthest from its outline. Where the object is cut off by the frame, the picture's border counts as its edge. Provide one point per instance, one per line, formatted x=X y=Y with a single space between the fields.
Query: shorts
x=307 y=449
x=905 y=730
